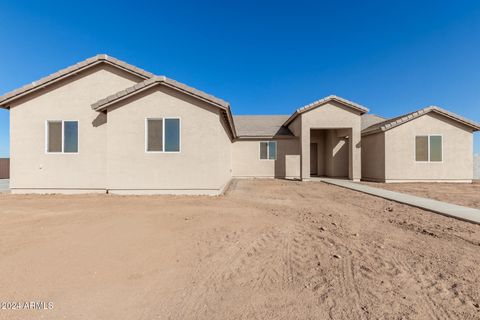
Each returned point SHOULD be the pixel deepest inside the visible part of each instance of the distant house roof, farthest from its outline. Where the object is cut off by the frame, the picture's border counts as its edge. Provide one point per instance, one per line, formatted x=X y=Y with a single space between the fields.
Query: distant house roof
x=395 y=122
x=324 y=101
x=262 y=126
x=69 y=71
x=370 y=119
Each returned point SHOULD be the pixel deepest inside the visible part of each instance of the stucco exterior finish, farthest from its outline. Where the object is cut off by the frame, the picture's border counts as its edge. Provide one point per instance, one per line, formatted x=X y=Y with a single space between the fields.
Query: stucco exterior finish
x=373 y=157
x=201 y=167
x=246 y=160
x=457 y=161
x=32 y=169
x=111 y=100
x=332 y=115
x=332 y=152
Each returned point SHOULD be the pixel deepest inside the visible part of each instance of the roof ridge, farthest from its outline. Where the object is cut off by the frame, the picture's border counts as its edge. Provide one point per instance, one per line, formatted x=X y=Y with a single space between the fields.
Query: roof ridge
x=66 y=72
x=325 y=100
x=396 y=121
x=103 y=103
x=329 y=98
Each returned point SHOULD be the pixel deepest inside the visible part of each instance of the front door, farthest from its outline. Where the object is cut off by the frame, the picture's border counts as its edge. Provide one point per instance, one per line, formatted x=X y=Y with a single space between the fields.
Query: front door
x=313 y=159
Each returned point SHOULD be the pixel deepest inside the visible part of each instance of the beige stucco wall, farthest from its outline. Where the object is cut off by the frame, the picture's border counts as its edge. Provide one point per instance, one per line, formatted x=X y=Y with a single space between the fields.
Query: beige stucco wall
x=246 y=160
x=336 y=153
x=332 y=151
x=296 y=126
x=373 y=157
x=201 y=167
x=319 y=137
x=32 y=169
x=331 y=116
x=457 y=150
x=292 y=166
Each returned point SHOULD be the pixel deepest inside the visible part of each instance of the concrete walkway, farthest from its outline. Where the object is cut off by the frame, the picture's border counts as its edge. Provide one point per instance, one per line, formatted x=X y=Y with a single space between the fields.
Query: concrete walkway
x=444 y=208
x=4 y=185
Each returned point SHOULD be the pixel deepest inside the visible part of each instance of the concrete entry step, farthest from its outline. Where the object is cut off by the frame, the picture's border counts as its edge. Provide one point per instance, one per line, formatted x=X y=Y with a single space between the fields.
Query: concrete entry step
x=443 y=208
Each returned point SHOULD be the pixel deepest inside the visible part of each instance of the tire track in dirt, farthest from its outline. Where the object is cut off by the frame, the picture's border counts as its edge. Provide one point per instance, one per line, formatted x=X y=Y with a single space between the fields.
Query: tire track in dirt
x=436 y=310
x=237 y=267
x=350 y=284
x=278 y=258
x=209 y=271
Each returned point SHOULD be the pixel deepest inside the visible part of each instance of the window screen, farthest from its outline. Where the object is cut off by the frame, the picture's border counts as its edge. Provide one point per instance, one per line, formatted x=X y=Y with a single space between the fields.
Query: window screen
x=268 y=150
x=435 y=148
x=421 y=148
x=272 y=150
x=172 y=135
x=70 y=136
x=54 y=131
x=263 y=150
x=154 y=135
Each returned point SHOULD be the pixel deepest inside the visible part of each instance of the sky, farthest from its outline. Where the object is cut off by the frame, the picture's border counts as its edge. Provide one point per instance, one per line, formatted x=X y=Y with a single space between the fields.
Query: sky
x=264 y=57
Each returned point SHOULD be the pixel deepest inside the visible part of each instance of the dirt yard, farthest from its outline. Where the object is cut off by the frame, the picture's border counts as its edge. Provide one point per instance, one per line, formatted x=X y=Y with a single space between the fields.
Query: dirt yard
x=464 y=194
x=266 y=250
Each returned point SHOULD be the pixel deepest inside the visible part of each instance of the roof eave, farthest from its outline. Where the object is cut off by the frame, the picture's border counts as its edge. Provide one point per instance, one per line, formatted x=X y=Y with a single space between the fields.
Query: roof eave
x=71 y=71
x=110 y=100
x=324 y=101
x=290 y=120
x=416 y=114
x=231 y=123
x=256 y=137
x=473 y=125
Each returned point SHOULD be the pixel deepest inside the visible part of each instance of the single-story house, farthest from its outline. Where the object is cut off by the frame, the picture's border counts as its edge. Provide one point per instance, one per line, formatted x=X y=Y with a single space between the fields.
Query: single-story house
x=103 y=125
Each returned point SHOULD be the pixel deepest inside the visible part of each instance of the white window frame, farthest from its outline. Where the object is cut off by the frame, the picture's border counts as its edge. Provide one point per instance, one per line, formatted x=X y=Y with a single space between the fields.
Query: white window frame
x=428 y=147
x=163 y=135
x=63 y=137
x=268 y=150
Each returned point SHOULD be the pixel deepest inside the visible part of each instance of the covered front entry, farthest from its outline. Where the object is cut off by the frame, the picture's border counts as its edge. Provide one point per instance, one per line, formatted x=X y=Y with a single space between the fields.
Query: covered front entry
x=331 y=128
x=330 y=152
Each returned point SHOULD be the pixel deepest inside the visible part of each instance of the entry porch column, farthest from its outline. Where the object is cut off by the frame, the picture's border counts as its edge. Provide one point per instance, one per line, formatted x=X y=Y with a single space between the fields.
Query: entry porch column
x=305 y=154
x=355 y=155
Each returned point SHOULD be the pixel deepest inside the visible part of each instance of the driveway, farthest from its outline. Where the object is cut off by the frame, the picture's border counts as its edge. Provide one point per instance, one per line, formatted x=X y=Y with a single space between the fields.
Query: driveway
x=4 y=185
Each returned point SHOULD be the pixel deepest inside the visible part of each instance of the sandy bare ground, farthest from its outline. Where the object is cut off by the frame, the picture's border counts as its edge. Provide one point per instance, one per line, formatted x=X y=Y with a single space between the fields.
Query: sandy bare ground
x=266 y=250
x=464 y=194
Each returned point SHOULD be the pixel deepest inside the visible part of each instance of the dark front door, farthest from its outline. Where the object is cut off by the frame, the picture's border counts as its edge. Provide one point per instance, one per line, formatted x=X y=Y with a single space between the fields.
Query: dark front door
x=313 y=159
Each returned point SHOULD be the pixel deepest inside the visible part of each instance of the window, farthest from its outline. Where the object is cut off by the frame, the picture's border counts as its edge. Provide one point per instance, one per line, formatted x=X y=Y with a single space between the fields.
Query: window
x=62 y=136
x=163 y=135
x=428 y=148
x=421 y=148
x=436 y=148
x=268 y=150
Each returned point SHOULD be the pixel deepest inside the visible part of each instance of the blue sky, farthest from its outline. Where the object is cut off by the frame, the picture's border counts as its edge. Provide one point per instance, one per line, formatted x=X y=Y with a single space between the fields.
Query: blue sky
x=264 y=57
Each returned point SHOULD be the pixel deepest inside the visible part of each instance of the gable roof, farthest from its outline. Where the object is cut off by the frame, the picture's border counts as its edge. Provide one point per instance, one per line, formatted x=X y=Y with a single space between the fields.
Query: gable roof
x=69 y=71
x=324 y=101
x=158 y=80
x=104 y=103
x=397 y=121
x=368 y=120
x=261 y=126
